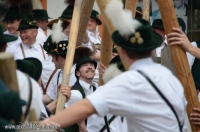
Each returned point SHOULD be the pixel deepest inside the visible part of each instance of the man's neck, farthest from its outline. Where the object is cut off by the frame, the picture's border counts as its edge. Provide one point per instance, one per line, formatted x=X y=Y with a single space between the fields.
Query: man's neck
x=31 y=43
x=93 y=31
x=89 y=81
x=16 y=33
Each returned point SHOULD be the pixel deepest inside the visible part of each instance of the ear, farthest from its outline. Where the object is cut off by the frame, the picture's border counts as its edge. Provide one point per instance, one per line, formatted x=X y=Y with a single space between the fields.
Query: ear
x=78 y=73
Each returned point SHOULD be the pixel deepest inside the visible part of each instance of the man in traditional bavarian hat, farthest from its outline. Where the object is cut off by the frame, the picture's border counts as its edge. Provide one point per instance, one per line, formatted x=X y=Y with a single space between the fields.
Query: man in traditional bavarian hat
x=36 y=106
x=30 y=46
x=41 y=16
x=12 y=19
x=130 y=94
x=57 y=48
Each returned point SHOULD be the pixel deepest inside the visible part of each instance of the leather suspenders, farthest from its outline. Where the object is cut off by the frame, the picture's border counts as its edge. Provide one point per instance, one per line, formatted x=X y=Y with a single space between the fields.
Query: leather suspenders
x=23 y=53
x=45 y=88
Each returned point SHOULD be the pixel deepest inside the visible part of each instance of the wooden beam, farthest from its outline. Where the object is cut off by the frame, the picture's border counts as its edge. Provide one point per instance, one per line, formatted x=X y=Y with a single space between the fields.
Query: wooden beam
x=44 y=4
x=131 y=5
x=70 y=53
x=145 y=9
x=106 y=50
x=8 y=71
x=86 y=9
x=182 y=69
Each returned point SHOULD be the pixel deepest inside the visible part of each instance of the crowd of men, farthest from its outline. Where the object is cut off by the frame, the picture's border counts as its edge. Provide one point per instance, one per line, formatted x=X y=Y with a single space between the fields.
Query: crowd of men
x=129 y=100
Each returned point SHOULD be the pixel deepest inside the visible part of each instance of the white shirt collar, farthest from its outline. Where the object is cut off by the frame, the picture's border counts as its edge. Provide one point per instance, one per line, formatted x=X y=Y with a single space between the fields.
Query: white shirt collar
x=35 y=45
x=140 y=62
x=85 y=85
x=91 y=33
x=6 y=32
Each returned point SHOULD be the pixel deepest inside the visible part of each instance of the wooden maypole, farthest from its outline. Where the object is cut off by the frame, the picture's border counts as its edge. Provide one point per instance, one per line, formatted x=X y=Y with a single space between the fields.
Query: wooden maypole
x=74 y=33
x=8 y=71
x=131 y=5
x=145 y=9
x=179 y=58
x=86 y=9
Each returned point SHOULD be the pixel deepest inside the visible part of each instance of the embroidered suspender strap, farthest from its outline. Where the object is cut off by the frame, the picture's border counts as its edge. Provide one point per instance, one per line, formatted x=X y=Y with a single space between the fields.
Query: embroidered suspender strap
x=82 y=92
x=164 y=98
x=94 y=88
x=104 y=127
x=58 y=77
x=22 y=49
x=42 y=51
x=45 y=89
x=30 y=97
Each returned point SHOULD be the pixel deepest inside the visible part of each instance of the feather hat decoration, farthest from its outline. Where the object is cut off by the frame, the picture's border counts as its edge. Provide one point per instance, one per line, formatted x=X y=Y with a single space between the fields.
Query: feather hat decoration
x=57 y=32
x=121 y=19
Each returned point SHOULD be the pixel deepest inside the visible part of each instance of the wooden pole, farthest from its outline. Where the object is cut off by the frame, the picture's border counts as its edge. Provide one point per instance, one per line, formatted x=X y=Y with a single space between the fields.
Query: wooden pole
x=179 y=58
x=86 y=9
x=106 y=50
x=106 y=21
x=107 y=29
x=8 y=71
x=131 y=5
x=70 y=53
x=145 y=9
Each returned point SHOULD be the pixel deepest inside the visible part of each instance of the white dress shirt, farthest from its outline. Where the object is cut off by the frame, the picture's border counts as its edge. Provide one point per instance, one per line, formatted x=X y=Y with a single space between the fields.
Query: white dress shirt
x=34 y=50
x=13 y=42
x=94 y=122
x=41 y=37
x=52 y=88
x=94 y=38
x=36 y=103
x=130 y=95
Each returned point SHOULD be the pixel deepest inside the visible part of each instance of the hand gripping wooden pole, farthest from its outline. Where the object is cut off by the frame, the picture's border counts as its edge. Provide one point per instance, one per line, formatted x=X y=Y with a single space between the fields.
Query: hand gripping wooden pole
x=179 y=58
x=86 y=10
x=70 y=52
x=145 y=9
x=131 y=5
x=8 y=71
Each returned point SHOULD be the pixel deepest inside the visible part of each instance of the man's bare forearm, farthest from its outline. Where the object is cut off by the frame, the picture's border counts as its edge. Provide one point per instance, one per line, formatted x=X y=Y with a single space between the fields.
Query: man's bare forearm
x=73 y=114
x=194 y=51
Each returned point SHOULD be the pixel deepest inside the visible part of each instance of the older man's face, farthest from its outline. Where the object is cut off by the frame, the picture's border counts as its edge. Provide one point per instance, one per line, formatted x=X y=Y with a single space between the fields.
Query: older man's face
x=178 y=3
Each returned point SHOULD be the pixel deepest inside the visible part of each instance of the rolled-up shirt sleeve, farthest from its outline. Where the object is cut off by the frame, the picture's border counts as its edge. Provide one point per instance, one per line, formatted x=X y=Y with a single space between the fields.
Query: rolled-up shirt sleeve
x=99 y=103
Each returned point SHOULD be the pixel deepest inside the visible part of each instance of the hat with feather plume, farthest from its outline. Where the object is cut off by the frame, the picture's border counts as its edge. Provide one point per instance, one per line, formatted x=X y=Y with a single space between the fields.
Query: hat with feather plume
x=131 y=34
x=55 y=43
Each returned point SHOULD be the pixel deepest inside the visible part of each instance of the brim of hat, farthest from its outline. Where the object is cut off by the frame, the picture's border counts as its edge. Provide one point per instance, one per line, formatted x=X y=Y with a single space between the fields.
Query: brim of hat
x=98 y=20
x=42 y=18
x=156 y=42
x=38 y=66
x=12 y=18
x=50 y=24
x=8 y=38
x=94 y=62
x=53 y=53
x=27 y=27
x=157 y=26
